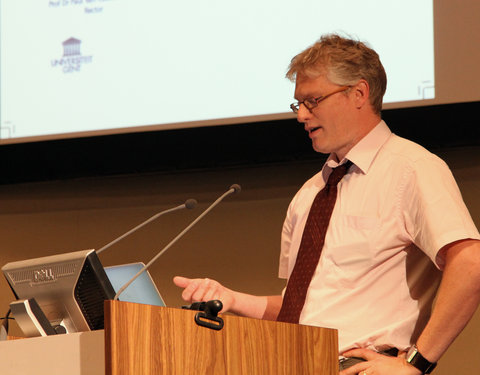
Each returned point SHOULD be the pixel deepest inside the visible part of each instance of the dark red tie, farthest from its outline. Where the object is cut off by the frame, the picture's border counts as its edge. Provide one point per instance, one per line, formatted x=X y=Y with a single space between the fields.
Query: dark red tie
x=310 y=247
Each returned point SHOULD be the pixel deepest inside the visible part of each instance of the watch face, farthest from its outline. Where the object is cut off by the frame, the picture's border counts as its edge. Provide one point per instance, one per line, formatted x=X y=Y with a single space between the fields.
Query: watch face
x=416 y=359
x=412 y=352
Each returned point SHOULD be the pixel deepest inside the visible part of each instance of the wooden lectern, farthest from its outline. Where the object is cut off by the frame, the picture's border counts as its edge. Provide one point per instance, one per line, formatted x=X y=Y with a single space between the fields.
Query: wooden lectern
x=144 y=339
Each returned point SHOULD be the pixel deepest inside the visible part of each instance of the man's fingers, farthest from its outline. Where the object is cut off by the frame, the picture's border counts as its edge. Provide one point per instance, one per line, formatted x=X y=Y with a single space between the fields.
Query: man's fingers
x=201 y=288
x=196 y=290
x=212 y=293
x=190 y=289
x=362 y=353
x=356 y=369
x=377 y=364
x=181 y=281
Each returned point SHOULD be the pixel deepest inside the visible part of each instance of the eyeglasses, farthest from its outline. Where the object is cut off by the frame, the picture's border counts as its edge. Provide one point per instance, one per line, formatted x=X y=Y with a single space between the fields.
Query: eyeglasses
x=311 y=103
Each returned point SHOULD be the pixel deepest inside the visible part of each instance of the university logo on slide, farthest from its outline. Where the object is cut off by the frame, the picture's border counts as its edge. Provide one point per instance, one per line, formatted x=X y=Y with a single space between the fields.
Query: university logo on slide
x=72 y=59
x=71 y=47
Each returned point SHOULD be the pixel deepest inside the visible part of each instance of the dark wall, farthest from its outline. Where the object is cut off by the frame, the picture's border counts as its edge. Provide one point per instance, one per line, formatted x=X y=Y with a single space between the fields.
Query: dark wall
x=217 y=147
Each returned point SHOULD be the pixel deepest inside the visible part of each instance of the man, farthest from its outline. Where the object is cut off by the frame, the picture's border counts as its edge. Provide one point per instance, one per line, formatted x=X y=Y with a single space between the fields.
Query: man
x=398 y=220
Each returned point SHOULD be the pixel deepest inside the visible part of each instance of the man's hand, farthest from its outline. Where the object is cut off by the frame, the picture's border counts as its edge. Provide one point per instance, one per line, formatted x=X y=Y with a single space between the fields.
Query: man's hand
x=378 y=364
x=199 y=290
x=258 y=307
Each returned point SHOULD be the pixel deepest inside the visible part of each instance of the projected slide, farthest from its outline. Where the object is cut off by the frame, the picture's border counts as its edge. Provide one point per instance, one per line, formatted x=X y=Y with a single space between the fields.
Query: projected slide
x=70 y=66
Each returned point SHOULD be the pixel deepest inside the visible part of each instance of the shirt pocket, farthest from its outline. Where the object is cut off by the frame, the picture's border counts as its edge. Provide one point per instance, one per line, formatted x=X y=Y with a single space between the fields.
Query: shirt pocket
x=353 y=253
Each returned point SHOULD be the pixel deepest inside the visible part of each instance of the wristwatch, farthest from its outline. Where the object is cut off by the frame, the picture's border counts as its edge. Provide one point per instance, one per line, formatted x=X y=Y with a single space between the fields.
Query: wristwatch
x=419 y=361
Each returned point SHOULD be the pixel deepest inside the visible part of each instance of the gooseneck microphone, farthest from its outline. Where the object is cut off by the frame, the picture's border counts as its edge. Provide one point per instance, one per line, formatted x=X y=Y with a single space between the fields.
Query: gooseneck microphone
x=235 y=188
x=189 y=204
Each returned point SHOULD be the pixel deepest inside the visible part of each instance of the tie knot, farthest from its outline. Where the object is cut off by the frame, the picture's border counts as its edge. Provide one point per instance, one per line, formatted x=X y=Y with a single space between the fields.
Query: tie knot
x=338 y=173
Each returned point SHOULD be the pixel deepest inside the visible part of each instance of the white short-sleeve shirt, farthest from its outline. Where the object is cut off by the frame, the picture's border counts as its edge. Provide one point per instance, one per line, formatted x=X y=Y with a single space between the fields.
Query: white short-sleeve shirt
x=373 y=283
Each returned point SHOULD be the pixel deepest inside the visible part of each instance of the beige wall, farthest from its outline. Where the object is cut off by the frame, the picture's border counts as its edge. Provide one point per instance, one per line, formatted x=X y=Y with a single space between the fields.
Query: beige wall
x=237 y=243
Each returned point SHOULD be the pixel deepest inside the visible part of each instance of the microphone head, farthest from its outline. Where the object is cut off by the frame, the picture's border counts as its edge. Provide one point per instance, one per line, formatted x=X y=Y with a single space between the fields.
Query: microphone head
x=236 y=188
x=190 y=203
x=213 y=307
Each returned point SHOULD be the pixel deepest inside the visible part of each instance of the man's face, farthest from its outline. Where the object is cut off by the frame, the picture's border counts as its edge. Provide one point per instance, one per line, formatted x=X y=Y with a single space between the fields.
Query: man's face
x=329 y=124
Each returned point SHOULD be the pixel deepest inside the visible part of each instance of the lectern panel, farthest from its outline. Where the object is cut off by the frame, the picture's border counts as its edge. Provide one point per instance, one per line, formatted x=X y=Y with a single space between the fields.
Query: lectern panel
x=143 y=339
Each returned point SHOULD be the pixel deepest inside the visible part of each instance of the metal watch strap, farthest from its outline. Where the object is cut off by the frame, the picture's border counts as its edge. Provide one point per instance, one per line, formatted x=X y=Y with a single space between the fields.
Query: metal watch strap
x=416 y=359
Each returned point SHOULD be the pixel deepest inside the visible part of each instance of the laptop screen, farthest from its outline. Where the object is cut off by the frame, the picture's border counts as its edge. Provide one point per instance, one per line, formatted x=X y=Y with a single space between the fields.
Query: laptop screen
x=142 y=290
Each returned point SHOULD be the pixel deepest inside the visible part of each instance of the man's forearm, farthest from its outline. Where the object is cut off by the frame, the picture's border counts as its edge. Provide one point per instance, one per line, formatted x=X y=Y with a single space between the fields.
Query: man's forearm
x=458 y=298
x=260 y=307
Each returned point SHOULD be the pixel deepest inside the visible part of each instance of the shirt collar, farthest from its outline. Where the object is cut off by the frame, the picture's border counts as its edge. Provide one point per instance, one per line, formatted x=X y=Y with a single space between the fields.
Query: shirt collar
x=364 y=152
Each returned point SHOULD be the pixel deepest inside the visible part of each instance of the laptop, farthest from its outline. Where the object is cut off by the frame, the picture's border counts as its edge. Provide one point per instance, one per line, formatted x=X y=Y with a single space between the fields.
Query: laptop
x=142 y=290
